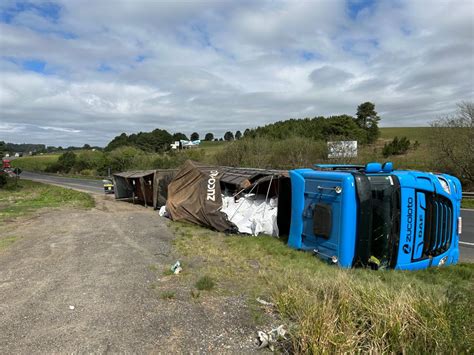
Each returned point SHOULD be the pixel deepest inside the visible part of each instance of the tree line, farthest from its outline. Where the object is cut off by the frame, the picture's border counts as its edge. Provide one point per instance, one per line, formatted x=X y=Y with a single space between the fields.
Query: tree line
x=159 y=140
x=363 y=128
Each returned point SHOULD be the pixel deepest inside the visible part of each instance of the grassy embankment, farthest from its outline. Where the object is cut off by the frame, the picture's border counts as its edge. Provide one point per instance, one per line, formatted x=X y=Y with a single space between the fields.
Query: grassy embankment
x=36 y=163
x=467 y=204
x=328 y=309
x=419 y=158
x=26 y=197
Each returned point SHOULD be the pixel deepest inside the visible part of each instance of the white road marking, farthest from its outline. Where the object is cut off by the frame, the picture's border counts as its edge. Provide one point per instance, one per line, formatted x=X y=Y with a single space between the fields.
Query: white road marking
x=466 y=243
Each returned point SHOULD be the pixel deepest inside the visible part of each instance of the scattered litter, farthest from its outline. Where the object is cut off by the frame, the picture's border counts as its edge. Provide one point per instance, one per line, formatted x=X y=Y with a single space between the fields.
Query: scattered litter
x=176 y=268
x=265 y=303
x=163 y=212
x=269 y=339
x=72 y=308
x=252 y=214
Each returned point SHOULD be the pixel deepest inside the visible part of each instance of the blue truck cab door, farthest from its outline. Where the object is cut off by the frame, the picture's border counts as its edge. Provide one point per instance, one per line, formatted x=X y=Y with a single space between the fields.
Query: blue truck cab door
x=324 y=214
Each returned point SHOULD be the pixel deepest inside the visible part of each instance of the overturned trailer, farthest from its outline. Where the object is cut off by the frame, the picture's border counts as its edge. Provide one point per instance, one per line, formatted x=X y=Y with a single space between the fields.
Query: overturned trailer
x=148 y=187
x=219 y=197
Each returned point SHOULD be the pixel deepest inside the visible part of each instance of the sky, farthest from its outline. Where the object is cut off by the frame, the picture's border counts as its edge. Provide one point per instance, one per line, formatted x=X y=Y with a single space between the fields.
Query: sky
x=75 y=72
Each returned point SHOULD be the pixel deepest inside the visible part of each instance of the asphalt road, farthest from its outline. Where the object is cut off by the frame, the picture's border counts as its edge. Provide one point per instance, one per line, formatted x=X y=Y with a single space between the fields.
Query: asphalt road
x=89 y=185
x=96 y=186
x=466 y=243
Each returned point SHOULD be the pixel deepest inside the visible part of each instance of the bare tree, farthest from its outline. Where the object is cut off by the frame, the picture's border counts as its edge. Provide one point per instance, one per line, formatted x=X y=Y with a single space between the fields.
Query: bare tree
x=452 y=143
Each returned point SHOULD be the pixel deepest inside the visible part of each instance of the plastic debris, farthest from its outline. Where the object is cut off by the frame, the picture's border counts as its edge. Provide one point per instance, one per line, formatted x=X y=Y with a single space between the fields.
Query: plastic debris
x=72 y=308
x=265 y=303
x=163 y=212
x=271 y=338
x=176 y=268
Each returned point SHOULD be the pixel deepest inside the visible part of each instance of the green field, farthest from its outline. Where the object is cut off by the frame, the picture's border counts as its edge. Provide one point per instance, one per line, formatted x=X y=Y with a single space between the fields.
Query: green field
x=331 y=310
x=36 y=162
x=421 y=134
x=24 y=197
x=419 y=159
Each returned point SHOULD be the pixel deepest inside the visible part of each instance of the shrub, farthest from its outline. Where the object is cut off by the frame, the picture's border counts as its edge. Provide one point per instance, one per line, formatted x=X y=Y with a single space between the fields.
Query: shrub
x=286 y=153
x=396 y=147
x=91 y=160
x=66 y=162
x=452 y=144
x=53 y=168
x=163 y=162
x=124 y=158
x=3 y=180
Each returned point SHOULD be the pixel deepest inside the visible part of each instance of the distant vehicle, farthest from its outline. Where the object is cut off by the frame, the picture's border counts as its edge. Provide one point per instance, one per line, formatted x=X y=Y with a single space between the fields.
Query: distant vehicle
x=6 y=164
x=14 y=173
x=18 y=155
x=108 y=186
x=374 y=216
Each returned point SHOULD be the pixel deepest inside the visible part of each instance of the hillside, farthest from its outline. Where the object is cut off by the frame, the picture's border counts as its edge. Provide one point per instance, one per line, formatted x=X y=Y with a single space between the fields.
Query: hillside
x=421 y=134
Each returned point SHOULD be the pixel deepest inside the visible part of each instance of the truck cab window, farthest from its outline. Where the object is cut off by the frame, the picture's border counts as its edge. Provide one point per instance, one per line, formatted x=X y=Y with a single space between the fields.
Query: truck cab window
x=385 y=207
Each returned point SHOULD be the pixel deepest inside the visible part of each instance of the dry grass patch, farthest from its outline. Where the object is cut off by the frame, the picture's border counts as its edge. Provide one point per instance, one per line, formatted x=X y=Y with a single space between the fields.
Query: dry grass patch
x=333 y=310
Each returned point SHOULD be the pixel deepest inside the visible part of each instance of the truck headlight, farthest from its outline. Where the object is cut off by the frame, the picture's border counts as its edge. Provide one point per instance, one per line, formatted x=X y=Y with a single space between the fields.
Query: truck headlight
x=442 y=261
x=444 y=184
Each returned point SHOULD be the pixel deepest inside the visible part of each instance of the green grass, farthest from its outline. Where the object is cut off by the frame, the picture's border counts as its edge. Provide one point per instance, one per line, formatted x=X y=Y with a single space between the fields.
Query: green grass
x=5 y=242
x=420 y=134
x=29 y=196
x=168 y=272
x=205 y=283
x=467 y=203
x=213 y=147
x=418 y=159
x=329 y=309
x=36 y=162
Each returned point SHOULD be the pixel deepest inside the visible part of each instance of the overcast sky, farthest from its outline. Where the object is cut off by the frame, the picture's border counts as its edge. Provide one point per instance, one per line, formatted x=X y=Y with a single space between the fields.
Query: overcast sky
x=75 y=72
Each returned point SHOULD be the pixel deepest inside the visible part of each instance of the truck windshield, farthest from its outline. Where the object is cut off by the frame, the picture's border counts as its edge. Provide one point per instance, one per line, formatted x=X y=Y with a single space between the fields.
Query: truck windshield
x=385 y=219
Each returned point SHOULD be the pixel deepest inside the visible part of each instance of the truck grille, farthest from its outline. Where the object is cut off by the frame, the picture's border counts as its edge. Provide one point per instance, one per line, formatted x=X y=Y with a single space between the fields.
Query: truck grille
x=439 y=225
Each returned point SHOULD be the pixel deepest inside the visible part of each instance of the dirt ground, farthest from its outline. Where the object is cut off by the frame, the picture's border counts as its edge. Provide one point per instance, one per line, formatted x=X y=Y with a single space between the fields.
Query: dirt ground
x=106 y=264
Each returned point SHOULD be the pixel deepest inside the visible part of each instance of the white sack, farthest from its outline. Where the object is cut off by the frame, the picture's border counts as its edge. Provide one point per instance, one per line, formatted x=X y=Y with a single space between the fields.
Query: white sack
x=163 y=212
x=251 y=214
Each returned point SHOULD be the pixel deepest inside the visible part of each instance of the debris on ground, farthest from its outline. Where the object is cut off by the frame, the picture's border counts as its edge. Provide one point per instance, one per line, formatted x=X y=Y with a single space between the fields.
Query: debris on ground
x=176 y=268
x=72 y=308
x=271 y=338
x=265 y=303
x=163 y=212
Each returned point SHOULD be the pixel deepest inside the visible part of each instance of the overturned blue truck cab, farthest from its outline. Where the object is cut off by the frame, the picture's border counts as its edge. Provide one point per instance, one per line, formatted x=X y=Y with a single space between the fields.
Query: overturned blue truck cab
x=375 y=216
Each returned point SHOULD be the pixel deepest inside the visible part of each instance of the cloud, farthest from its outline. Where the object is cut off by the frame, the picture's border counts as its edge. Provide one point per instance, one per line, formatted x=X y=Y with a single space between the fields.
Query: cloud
x=83 y=72
x=60 y=129
x=329 y=76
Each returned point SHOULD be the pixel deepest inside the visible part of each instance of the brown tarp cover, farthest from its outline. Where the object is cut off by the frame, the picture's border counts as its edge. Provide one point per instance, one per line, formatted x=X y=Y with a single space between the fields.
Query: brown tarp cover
x=194 y=195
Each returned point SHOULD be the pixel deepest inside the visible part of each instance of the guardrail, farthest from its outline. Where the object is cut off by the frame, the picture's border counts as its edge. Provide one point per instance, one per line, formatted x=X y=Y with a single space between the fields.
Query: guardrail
x=468 y=195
